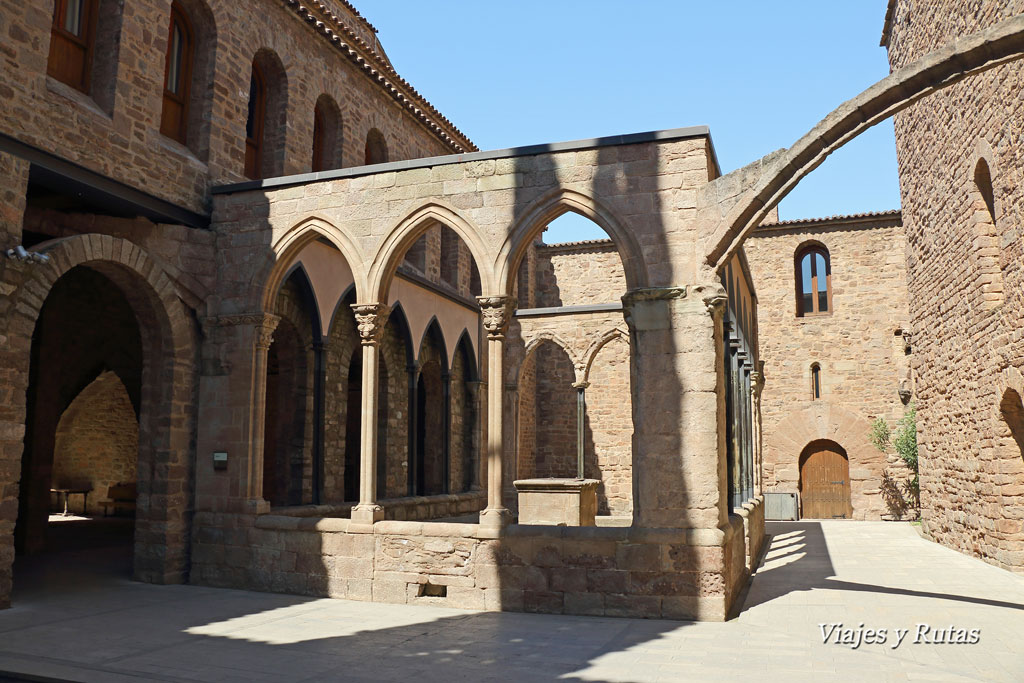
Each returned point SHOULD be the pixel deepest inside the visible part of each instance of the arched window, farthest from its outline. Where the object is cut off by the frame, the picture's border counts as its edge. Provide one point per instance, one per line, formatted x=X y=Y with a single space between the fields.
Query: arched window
x=813 y=281
x=255 y=122
x=815 y=381
x=72 y=38
x=376 y=148
x=177 y=76
x=326 y=135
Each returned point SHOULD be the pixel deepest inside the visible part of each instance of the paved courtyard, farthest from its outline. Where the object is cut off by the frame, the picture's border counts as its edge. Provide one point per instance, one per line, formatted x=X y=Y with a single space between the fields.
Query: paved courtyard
x=78 y=619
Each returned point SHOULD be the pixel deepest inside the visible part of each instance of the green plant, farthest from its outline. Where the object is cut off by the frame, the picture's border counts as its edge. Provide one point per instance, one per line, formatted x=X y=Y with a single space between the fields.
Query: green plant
x=900 y=497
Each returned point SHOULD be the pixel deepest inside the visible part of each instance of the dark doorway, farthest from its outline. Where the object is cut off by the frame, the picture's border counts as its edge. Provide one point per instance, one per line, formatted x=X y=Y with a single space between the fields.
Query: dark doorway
x=82 y=420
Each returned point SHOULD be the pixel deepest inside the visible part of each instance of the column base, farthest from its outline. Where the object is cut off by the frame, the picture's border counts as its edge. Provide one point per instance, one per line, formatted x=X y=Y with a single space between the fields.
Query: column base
x=363 y=517
x=493 y=520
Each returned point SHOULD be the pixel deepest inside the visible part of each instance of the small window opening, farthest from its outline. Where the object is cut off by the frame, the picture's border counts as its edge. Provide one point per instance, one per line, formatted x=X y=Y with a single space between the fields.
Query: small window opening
x=1012 y=410
x=815 y=381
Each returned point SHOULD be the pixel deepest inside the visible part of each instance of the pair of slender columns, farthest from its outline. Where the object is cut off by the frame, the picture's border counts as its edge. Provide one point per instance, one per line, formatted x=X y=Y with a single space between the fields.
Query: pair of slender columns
x=371 y=320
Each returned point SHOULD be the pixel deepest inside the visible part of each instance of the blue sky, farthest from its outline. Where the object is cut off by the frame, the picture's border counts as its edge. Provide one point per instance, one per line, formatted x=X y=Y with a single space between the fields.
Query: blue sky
x=759 y=74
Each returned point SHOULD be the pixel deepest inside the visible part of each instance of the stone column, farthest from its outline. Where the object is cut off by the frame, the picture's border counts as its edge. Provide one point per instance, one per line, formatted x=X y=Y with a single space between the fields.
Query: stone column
x=581 y=413
x=475 y=476
x=370 y=319
x=412 y=453
x=510 y=445
x=497 y=312
x=757 y=377
x=678 y=398
x=320 y=348
x=446 y=431
x=743 y=408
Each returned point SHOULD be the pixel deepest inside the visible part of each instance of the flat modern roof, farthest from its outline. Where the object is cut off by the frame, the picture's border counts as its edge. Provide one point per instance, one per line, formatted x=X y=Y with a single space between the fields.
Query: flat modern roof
x=447 y=159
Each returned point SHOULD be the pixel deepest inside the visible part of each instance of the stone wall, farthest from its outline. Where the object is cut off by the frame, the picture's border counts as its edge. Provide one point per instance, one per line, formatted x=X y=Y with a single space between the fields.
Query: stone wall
x=97 y=442
x=859 y=347
x=966 y=269
x=115 y=129
x=671 y=574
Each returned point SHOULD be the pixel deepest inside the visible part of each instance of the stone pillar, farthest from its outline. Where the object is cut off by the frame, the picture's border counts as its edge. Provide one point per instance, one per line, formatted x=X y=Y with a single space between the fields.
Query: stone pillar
x=497 y=312
x=412 y=454
x=476 y=475
x=320 y=348
x=757 y=377
x=678 y=402
x=743 y=409
x=370 y=319
x=510 y=496
x=232 y=392
x=581 y=414
x=446 y=430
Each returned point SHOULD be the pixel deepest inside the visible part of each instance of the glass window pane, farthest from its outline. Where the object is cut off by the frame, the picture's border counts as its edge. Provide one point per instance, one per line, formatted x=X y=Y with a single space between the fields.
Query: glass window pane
x=819 y=262
x=822 y=302
x=174 y=68
x=805 y=274
x=73 y=17
x=806 y=302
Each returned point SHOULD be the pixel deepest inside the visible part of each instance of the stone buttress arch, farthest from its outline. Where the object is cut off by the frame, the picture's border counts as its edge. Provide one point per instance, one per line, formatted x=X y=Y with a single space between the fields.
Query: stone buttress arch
x=168 y=380
x=549 y=207
x=775 y=175
x=405 y=233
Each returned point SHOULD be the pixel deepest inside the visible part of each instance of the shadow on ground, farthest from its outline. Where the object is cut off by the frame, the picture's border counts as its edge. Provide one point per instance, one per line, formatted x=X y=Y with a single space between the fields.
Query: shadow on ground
x=78 y=612
x=801 y=561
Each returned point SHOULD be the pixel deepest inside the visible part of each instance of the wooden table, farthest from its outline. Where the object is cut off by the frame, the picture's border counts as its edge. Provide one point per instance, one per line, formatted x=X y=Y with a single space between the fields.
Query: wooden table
x=70 y=492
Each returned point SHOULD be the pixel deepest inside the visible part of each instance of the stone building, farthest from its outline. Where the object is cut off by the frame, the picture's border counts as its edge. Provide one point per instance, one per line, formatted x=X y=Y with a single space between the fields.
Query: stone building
x=236 y=238
x=965 y=269
x=832 y=319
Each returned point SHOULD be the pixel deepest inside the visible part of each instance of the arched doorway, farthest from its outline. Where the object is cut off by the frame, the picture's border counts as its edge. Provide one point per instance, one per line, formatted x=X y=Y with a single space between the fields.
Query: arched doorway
x=825 y=481
x=96 y=329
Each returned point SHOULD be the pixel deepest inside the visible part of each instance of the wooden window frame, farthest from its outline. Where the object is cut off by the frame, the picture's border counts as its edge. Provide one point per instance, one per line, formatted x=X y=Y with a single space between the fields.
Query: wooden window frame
x=182 y=98
x=86 y=43
x=254 y=144
x=812 y=250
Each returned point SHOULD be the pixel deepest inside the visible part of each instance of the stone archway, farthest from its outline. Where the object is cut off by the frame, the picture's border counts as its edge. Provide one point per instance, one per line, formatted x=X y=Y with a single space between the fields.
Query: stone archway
x=823 y=421
x=165 y=390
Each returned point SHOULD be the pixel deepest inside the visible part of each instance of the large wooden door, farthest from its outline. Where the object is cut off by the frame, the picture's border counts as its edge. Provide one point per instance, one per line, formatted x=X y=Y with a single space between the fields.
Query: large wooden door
x=825 y=481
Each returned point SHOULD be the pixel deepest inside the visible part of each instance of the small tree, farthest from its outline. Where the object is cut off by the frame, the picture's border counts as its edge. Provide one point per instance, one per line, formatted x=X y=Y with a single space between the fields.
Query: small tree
x=900 y=497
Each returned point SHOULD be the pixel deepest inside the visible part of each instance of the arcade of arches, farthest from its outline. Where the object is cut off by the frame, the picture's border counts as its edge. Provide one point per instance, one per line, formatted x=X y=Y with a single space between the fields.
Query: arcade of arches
x=332 y=390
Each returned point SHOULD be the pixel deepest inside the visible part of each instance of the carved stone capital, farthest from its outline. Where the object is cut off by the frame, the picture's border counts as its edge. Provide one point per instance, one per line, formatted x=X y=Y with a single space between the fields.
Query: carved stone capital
x=580 y=385
x=371 y=320
x=265 y=331
x=497 y=313
x=652 y=294
x=714 y=297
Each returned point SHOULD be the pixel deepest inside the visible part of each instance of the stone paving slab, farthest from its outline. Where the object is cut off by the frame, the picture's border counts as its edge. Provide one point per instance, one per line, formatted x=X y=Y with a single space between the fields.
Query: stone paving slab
x=77 y=622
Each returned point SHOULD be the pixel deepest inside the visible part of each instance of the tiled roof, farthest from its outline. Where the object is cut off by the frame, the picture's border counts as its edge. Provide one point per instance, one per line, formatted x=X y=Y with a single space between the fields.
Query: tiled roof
x=381 y=72
x=352 y=8
x=892 y=213
x=581 y=243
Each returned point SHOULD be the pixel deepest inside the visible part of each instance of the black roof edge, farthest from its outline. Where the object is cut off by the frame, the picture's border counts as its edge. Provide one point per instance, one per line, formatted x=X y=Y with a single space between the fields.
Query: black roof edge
x=511 y=152
x=101 y=189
